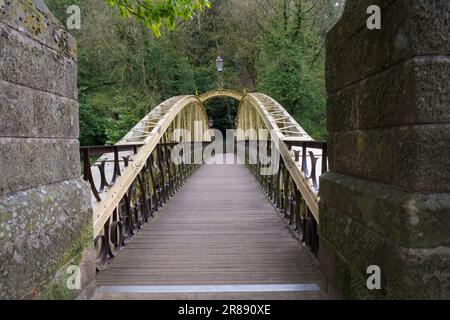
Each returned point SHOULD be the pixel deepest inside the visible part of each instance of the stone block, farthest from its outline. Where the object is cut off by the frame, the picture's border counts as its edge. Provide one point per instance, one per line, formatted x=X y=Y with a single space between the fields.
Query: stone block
x=413 y=92
x=32 y=113
x=349 y=246
x=28 y=163
x=336 y=271
x=418 y=273
x=359 y=289
x=31 y=64
x=354 y=19
x=407 y=274
x=41 y=230
x=56 y=287
x=363 y=55
x=364 y=154
x=358 y=244
x=419 y=28
x=414 y=158
x=409 y=28
x=35 y=20
x=411 y=220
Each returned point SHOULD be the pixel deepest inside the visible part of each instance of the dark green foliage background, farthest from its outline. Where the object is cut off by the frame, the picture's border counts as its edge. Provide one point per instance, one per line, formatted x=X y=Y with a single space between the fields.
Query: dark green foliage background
x=125 y=71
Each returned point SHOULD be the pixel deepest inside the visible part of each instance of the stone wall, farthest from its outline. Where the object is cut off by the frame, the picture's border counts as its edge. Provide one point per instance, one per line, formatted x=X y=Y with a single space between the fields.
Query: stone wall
x=45 y=213
x=386 y=201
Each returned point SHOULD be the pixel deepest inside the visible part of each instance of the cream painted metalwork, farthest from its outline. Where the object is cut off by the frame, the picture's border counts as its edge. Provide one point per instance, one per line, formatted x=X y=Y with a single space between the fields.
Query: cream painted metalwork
x=259 y=111
x=221 y=93
x=176 y=113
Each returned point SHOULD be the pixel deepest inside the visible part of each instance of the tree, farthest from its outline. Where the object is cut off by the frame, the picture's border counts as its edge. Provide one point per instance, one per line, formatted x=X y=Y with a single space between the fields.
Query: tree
x=291 y=62
x=273 y=46
x=153 y=12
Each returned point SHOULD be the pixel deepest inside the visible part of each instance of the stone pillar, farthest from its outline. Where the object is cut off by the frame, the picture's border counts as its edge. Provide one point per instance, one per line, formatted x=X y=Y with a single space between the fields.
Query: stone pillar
x=386 y=201
x=45 y=211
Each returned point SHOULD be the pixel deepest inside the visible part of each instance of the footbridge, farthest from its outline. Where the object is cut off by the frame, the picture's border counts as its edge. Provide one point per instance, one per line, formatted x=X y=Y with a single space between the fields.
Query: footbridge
x=173 y=208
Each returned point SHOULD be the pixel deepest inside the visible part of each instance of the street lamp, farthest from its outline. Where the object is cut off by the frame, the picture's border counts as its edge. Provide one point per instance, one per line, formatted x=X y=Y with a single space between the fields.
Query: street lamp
x=219 y=65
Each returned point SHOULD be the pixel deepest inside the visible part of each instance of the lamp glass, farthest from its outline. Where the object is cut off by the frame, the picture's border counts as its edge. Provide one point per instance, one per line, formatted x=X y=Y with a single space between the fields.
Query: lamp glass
x=219 y=64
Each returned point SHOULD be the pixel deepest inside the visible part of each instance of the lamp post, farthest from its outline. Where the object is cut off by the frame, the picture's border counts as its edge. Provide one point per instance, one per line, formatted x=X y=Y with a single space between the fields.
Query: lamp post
x=219 y=65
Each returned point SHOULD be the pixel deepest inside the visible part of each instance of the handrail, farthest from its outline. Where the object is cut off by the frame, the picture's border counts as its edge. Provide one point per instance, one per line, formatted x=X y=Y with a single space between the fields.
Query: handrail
x=159 y=180
x=142 y=175
x=181 y=112
x=100 y=150
x=284 y=193
x=294 y=189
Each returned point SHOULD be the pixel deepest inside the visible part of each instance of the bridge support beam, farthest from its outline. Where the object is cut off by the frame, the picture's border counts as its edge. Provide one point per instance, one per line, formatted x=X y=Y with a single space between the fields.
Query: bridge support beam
x=45 y=210
x=386 y=200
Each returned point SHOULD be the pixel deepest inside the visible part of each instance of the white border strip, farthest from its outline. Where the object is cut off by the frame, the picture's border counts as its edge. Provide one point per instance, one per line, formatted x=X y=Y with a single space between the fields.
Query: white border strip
x=211 y=288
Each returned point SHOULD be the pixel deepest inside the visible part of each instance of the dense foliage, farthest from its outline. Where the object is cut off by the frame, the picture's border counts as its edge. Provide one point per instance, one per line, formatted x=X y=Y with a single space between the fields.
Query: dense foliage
x=273 y=46
x=152 y=13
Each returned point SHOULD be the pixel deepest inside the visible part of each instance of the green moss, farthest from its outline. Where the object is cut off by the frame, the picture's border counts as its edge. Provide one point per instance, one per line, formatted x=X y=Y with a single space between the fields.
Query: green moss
x=49 y=200
x=55 y=288
x=84 y=240
x=5 y=216
x=57 y=291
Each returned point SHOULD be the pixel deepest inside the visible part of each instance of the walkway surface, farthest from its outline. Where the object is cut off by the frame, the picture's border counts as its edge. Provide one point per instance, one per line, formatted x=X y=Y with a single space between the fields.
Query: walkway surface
x=218 y=237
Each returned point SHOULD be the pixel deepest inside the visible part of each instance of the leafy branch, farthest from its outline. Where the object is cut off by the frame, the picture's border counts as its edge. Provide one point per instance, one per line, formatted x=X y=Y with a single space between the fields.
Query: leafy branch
x=153 y=13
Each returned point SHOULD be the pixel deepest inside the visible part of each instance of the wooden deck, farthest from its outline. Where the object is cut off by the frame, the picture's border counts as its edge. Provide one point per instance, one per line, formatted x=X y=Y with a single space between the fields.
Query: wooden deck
x=218 y=230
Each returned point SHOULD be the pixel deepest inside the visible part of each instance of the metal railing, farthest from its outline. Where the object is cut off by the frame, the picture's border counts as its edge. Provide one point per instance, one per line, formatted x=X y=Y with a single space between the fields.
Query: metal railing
x=88 y=152
x=285 y=195
x=159 y=180
x=310 y=173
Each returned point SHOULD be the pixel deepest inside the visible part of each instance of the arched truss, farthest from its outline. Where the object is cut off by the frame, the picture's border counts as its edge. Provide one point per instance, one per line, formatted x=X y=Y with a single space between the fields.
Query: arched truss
x=181 y=112
x=223 y=94
x=143 y=176
x=294 y=187
x=259 y=111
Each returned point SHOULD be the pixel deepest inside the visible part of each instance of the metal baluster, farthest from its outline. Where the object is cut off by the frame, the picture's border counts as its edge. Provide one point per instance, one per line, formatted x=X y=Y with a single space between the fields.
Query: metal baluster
x=313 y=176
x=169 y=170
x=298 y=200
x=162 y=180
x=87 y=174
x=286 y=194
x=126 y=161
x=103 y=182
x=155 y=188
x=117 y=172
